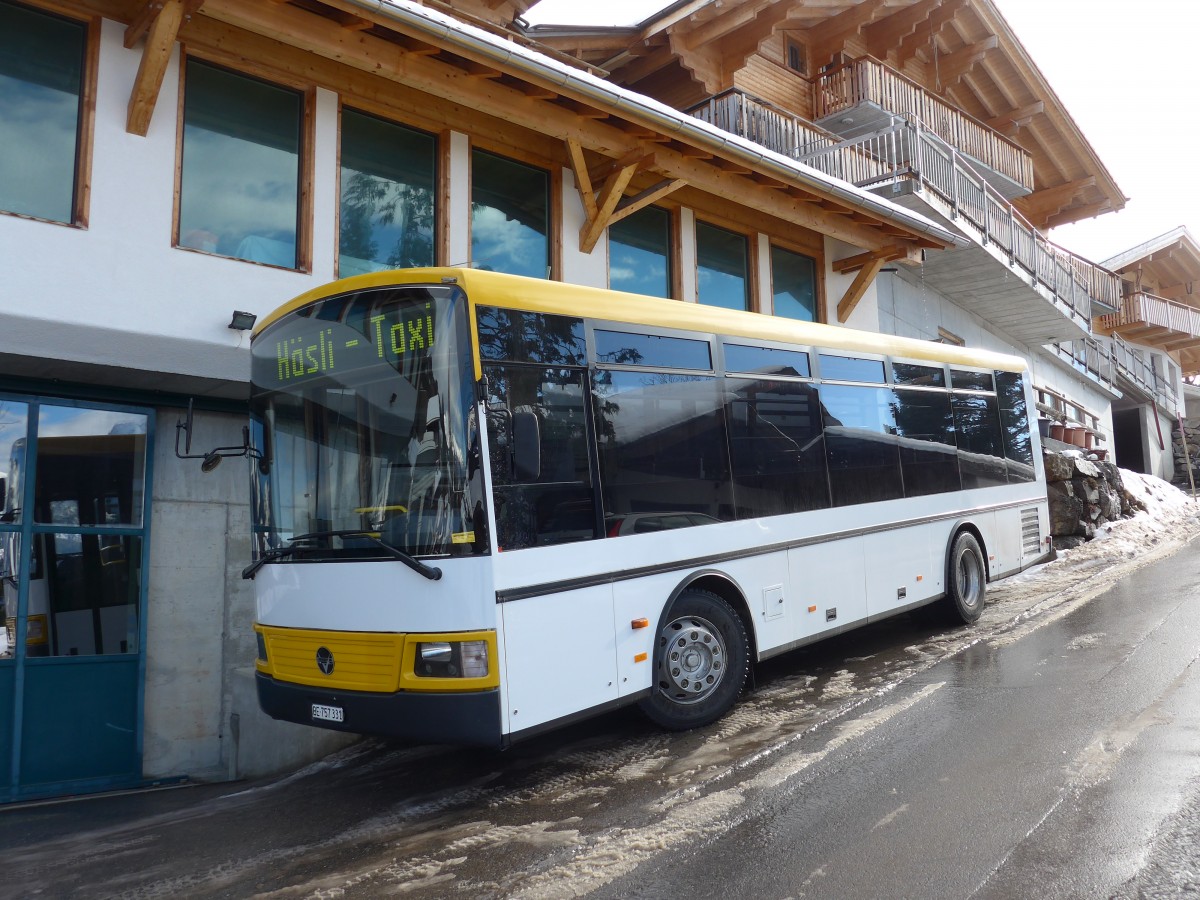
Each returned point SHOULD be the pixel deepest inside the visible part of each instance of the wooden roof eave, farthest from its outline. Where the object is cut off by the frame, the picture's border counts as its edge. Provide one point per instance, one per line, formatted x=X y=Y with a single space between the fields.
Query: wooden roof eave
x=1054 y=110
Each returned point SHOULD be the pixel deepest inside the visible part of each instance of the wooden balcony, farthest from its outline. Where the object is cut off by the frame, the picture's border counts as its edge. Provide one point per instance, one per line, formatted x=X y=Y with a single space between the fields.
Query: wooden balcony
x=1147 y=319
x=861 y=95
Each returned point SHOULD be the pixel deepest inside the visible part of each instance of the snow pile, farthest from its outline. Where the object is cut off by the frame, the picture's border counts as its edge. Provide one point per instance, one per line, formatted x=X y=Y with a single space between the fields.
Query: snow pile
x=1167 y=512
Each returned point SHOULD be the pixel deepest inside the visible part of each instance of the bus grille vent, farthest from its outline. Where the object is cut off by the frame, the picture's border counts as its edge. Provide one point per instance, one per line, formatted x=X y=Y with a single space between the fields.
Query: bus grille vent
x=1031 y=532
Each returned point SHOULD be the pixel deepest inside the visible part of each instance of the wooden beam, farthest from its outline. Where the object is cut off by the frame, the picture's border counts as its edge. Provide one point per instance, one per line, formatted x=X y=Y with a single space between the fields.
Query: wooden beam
x=629 y=205
x=160 y=39
x=1017 y=117
x=606 y=201
x=886 y=254
x=831 y=35
x=953 y=66
x=583 y=180
x=1075 y=214
x=859 y=287
x=1042 y=204
x=928 y=30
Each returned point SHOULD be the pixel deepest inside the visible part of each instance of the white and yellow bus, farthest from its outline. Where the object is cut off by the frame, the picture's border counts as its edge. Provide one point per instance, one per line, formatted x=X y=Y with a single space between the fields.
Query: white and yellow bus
x=487 y=505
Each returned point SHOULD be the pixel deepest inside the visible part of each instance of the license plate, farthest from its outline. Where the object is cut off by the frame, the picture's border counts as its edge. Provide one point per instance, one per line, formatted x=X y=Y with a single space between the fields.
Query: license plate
x=327 y=713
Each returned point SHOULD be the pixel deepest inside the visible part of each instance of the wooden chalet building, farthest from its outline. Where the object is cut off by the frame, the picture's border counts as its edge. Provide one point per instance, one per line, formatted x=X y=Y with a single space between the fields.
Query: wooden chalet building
x=885 y=164
x=1152 y=339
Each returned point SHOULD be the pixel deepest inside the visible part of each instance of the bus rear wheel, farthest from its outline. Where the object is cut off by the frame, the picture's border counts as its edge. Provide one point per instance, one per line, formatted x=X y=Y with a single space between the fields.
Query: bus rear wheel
x=701 y=661
x=966 y=580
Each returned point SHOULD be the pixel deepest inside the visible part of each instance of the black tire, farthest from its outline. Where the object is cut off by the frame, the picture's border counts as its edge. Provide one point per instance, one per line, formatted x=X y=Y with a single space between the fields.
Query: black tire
x=701 y=662
x=966 y=581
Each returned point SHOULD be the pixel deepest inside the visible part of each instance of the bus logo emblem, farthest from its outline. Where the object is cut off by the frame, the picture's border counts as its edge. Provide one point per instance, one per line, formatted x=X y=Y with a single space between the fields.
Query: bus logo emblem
x=325 y=660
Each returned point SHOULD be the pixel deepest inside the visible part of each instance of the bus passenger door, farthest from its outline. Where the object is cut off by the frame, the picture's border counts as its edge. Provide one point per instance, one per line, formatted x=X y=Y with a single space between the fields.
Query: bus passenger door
x=559 y=655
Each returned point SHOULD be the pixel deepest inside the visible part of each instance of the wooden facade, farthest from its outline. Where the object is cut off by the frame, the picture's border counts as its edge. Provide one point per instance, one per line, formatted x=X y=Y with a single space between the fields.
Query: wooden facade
x=958 y=59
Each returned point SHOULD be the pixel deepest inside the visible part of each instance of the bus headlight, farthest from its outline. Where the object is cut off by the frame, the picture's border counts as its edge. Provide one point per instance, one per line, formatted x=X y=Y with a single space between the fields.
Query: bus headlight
x=452 y=659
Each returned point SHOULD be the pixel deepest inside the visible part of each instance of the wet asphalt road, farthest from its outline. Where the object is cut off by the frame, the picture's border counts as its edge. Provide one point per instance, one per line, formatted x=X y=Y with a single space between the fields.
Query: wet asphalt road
x=1052 y=751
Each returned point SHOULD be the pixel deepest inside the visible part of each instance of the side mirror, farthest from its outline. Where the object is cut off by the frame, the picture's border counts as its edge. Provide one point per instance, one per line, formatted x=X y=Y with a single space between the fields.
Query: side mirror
x=527 y=446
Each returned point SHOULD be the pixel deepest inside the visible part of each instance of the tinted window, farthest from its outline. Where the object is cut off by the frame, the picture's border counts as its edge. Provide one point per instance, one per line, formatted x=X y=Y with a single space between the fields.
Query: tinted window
x=387 y=185
x=928 y=455
x=555 y=504
x=662 y=444
x=864 y=462
x=240 y=185
x=530 y=337
x=918 y=376
x=1014 y=426
x=777 y=447
x=510 y=216
x=793 y=285
x=963 y=380
x=41 y=80
x=624 y=348
x=722 y=267
x=639 y=253
x=850 y=368
x=980 y=447
x=765 y=360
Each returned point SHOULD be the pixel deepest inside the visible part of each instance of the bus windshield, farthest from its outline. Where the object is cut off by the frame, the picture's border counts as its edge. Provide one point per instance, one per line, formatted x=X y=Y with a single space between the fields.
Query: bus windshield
x=363 y=412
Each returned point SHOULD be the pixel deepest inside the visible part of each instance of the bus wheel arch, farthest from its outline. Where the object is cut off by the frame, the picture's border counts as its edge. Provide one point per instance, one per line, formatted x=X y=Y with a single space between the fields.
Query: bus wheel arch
x=966 y=575
x=702 y=653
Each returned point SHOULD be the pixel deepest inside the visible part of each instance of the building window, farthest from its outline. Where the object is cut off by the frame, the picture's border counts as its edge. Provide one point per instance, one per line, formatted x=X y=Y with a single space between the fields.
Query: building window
x=510 y=216
x=722 y=267
x=797 y=58
x=639 y=253
x=240 y=183
x=388 y=177
x=41 y=82
x=793 y=285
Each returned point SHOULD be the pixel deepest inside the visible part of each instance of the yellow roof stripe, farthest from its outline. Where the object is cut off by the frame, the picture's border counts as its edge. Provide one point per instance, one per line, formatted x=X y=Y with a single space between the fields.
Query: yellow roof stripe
x=539 y=295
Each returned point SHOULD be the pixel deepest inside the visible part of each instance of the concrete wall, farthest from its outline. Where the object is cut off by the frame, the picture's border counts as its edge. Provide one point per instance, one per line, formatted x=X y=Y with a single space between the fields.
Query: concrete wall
x=200 y=646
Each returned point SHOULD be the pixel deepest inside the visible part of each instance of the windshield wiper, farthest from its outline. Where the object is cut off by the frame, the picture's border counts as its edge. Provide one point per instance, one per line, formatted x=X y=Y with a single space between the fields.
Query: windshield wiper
x=431 y=572
x=269 y=556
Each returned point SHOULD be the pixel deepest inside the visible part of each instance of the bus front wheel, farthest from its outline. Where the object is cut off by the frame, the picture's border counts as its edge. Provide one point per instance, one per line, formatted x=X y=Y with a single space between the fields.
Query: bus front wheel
x=966 y=580
x=701 y=661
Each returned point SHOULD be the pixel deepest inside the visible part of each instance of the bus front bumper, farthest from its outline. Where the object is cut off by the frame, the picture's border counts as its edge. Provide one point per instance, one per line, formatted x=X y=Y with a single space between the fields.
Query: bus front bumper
x=469 y=718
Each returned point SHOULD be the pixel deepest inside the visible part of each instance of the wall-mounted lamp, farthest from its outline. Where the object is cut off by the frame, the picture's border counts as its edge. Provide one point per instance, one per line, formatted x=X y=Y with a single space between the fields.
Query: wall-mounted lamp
x=242 y=321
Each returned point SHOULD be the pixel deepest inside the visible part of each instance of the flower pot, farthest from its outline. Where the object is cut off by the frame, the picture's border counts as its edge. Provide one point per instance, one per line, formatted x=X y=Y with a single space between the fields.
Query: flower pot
x=1078 y=435
x=1056 y=432
x=1100 y=453
x=1044 y=427
x=1088 y=439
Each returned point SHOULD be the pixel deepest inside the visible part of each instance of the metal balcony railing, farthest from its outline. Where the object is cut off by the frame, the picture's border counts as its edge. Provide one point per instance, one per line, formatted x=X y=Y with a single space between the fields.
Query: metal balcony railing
x=908 y=150
x=866 y=80
x=1090 y=357
x=1104 y=362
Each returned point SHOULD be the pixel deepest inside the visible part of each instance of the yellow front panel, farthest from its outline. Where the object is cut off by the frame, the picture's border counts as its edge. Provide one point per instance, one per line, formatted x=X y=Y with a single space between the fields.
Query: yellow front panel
x=362 y=661
x=367 y=661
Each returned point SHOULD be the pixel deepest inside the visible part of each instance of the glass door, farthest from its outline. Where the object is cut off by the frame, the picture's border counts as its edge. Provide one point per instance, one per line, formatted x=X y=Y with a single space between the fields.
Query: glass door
x=75 y=528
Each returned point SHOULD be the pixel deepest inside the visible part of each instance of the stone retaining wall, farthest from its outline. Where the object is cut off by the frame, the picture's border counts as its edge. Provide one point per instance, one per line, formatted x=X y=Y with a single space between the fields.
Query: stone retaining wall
x=1084 y=494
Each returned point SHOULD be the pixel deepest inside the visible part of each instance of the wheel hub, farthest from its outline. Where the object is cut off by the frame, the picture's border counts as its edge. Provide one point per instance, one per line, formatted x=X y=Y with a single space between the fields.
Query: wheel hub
x=693 y=659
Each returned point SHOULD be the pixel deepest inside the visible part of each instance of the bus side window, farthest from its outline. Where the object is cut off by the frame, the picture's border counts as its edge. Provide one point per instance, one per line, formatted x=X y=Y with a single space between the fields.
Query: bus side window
x=539 y=460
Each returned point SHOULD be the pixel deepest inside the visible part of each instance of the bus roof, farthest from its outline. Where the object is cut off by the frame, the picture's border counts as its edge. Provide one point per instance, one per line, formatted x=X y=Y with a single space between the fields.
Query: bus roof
x=557 y=297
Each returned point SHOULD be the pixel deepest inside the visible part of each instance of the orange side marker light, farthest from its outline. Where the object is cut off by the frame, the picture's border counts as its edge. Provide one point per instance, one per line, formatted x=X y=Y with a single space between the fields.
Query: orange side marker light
x=641 y=657
x=639 y=623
